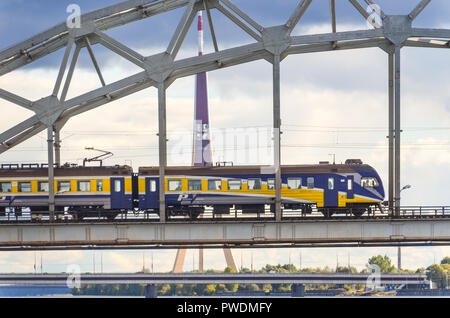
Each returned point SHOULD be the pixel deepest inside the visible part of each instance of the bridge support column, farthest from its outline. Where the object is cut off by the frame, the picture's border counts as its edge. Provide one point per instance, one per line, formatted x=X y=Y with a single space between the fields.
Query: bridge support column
x=150 y=291
x=179 y=261
x=277 y=135
x=298 y=290
x=391 y=134
x=51 y=174
x=162 y=149
x=397 y=130
x=229 y=259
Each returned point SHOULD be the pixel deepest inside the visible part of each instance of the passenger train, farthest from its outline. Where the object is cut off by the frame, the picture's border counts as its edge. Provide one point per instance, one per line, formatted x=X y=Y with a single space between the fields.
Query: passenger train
x=352 y=187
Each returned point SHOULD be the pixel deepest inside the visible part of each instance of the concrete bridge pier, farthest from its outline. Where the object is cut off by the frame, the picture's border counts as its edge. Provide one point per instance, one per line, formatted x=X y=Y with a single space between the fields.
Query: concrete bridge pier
x=298 y=290
x=150 y=291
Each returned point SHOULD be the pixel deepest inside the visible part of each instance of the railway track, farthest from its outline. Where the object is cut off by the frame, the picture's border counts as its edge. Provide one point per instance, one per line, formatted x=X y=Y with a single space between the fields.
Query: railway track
x=406 y=213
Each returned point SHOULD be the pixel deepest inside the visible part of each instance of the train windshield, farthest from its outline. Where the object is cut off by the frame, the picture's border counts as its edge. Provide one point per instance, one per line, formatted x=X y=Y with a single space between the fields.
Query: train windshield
x=369 y=182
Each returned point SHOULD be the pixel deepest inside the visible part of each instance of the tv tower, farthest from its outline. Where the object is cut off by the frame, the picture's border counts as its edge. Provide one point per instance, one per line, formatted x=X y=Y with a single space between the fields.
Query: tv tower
x=202 y=152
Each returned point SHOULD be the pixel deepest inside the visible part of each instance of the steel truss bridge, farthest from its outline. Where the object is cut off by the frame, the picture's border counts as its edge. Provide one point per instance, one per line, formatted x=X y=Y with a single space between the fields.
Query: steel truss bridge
x=273 y=44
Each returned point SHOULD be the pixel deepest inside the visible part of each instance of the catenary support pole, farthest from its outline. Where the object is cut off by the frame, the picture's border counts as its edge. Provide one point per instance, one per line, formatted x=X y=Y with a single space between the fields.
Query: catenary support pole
x=57 y=147
x=162 y=149
x=277 y=134
x=397 y=130
x=51 y=175
x=391 y=134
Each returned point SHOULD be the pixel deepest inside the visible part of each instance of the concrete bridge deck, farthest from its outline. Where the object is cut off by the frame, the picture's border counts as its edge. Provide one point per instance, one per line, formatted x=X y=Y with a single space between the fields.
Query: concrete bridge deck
x=308 y=233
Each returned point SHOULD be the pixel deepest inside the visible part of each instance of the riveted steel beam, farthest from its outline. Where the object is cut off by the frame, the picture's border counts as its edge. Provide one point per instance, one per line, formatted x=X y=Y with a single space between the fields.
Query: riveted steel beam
x=365 y=14
x=211 y=25
x=120 y=49
x=333 y=15
x=397 y=130
x=70 y=73
x=94 y=61
x=16 y=99
x=430 y=33
x=418 y=9
x=162 y=149
x=181 y=30
x=297 y=15
x=243 y=15
x=277 y=135
x=238 y=22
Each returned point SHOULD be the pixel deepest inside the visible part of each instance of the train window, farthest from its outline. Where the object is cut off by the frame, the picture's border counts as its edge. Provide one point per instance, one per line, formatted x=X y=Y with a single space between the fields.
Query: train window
x=42 y=186
x=294 y=183
x=174 y=185
x=63 y=186
x=349 y=184
x=270 y=184
x=5 y=187
x=254 y=184
x=99 y=185
x=369 y=182
x=24 y=187
x=310 y=183
x=330 y=183
x=234 y=184
x=117 y=185
x=194 y=185
x=152 y=185
x=84 y=186
x=214 y=185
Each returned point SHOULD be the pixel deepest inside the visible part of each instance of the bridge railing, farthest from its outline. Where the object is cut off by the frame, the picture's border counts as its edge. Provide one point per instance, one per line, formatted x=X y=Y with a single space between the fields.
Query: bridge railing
x=407 y=212
x=419 y=211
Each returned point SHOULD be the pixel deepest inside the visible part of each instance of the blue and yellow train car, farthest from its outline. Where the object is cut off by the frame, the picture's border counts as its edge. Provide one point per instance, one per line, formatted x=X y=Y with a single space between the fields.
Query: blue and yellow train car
x=79 y=190
x=107 y=191
x=332 y=188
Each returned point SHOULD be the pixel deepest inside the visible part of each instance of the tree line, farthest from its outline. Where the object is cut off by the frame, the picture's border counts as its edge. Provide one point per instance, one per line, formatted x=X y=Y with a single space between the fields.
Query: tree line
x=438 y=273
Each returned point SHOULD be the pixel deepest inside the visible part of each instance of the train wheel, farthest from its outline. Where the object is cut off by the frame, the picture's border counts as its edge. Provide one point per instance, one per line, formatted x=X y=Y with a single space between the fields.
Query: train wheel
x=194 y=215
x=327 y=213
x=111 y=216
x=358 y=212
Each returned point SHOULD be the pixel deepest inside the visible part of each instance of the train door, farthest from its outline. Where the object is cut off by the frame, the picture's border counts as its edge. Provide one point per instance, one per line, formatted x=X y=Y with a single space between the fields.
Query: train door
x=350 y=180
x=118 y=193
x=331 y=191
x=152 y=192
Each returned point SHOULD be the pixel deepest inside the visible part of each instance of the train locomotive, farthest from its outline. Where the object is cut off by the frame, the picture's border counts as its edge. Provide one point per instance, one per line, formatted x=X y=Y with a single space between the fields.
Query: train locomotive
x=352 y=187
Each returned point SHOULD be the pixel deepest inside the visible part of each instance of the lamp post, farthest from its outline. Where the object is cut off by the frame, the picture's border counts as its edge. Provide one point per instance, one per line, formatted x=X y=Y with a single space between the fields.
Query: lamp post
x=399 y=252
x=405 y=187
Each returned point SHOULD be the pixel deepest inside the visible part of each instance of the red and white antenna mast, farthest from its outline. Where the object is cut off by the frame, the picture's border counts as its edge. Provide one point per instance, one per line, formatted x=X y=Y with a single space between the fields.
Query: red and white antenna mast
x=202 y=153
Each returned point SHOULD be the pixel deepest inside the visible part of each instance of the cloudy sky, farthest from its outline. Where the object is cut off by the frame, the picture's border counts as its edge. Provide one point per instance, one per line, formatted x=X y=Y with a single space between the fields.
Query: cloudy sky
x=333 y=103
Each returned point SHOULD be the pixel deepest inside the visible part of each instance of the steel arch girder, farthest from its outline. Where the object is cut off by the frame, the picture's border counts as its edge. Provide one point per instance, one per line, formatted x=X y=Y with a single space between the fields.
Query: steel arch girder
x=191 y=66
x=113 y=16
